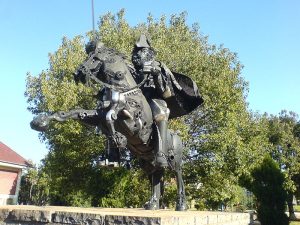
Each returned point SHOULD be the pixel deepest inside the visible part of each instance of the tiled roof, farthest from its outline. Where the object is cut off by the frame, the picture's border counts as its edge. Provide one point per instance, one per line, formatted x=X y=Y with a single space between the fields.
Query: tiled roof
x=8 y=155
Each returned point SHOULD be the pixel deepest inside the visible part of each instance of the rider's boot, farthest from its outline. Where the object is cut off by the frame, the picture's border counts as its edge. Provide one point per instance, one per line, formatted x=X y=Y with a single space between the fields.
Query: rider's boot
x=112 y=156
x=162 y=153
x=160 y=114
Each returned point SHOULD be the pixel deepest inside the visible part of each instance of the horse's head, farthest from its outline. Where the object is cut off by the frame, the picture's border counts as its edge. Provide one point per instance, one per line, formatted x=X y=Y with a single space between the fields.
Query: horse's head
x=91 y=66
x=107 y=66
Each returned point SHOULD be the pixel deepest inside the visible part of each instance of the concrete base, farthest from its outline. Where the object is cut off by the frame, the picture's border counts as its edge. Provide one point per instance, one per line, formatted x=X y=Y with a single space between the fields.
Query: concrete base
x=53 y=215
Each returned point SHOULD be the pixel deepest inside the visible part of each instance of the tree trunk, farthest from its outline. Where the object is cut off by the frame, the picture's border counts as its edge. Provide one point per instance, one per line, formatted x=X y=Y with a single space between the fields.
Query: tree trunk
x=292 y=215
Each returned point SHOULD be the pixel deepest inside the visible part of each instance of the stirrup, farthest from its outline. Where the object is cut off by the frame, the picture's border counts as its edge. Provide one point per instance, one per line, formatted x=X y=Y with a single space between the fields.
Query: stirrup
x=110 y=164
x=161 y=160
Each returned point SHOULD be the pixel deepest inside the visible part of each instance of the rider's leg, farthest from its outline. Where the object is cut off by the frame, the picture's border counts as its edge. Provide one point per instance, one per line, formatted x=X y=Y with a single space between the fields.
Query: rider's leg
x=162 y=153
x=161 y=113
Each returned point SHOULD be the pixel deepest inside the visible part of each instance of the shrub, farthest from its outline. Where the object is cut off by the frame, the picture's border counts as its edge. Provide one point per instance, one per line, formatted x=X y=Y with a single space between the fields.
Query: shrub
x=266 y=184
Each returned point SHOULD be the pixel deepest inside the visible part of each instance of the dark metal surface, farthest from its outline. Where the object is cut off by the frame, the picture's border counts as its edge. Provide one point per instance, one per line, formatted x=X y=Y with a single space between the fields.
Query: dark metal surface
x=133 y=110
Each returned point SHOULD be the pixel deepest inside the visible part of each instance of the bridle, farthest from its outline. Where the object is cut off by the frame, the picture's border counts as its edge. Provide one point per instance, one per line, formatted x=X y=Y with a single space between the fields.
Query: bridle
x=91 y=76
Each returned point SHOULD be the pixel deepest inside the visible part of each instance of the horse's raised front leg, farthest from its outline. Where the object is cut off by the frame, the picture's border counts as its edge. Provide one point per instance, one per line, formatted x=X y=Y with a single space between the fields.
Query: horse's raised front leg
x=155 y=180
x=41 y=122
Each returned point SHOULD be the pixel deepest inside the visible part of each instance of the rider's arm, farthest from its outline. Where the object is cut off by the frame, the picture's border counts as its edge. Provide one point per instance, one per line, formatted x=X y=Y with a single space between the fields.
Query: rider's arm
x=161 y=80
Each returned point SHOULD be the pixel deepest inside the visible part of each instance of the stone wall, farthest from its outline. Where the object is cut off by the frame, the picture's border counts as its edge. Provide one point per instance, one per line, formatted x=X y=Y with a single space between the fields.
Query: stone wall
x=51 y=215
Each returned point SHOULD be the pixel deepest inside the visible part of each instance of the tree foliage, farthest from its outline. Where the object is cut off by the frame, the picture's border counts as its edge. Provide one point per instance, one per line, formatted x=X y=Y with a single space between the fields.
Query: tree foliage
x=285 y=149
x=35 y=188
x=267 y=184
x=285 y=145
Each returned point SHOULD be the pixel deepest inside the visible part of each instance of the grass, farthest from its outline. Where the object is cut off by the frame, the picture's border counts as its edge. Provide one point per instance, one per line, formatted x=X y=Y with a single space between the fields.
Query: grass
x=297 y=209
x=295 y=223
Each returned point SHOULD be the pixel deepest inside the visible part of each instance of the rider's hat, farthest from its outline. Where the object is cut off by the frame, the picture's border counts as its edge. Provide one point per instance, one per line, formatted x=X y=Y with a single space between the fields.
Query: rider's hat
x=143 y=42
x=99 y=45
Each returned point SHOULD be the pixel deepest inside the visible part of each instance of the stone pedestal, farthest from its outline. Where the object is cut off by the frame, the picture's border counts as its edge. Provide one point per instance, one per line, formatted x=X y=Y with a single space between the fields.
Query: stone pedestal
x=53 y=215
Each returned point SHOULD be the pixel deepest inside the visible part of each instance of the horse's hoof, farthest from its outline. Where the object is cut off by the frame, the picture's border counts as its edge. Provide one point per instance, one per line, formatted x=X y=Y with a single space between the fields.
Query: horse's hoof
x=40 y=123
x=161 y=161
x=151 y=206
x=182 y=207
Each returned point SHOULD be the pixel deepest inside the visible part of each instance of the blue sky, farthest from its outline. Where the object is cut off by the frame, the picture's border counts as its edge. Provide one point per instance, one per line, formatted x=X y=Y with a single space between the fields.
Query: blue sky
x=265 y=34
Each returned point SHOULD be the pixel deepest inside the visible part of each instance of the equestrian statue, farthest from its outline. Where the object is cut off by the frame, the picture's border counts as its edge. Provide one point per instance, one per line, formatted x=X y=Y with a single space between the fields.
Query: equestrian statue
x=133 y=108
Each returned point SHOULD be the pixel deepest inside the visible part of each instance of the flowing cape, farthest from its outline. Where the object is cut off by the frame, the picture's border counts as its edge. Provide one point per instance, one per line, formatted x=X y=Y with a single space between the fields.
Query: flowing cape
x=185 y=100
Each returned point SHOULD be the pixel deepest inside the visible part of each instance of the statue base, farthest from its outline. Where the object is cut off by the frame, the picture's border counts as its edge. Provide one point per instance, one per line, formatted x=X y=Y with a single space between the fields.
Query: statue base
x=56 y=215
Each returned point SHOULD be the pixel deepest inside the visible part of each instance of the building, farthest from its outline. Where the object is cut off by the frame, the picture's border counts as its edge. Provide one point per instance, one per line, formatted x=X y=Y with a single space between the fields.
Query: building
x=11 y=166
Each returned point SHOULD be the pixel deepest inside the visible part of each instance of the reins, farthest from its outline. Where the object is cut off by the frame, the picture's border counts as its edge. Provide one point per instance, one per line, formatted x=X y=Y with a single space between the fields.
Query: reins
x=113 y=87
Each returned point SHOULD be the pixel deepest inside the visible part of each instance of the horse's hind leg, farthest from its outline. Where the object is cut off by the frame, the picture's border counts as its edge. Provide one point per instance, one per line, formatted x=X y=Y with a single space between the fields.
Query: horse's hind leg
x=181 y=200
x=176 y=164
x=156 y=181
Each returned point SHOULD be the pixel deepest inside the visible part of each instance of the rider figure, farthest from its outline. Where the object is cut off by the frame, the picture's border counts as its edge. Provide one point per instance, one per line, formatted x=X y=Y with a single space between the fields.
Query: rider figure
x=156 y=89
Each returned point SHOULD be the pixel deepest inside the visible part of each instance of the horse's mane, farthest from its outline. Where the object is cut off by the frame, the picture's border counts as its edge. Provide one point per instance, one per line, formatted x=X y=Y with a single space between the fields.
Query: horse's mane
x=112 y=52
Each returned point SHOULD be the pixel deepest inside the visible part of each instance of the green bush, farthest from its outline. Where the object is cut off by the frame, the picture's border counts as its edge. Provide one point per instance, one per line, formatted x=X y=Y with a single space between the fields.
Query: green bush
x=266 y=184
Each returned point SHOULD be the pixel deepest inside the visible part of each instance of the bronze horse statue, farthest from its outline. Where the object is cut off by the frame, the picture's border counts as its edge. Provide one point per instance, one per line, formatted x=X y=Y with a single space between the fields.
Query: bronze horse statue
x=125 y=117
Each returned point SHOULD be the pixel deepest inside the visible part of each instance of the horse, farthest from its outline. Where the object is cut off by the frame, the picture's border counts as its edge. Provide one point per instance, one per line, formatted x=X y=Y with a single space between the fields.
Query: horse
x=125 y=117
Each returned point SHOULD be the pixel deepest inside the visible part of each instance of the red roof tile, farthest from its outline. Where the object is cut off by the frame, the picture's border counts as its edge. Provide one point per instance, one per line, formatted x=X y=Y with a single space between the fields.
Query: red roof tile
x=10 y=156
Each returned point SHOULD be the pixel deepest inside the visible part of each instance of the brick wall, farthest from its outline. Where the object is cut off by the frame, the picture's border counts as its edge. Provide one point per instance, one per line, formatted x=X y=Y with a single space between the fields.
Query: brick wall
x=9 y=184
x=8 y=181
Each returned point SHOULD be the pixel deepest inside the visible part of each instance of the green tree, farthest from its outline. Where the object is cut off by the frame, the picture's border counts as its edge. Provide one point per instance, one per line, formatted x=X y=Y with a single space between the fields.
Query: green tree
x=267 y=184
x=225 y=146
x=131 y=191
x=285 y=149
x=222 y=138
x=34 y=188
